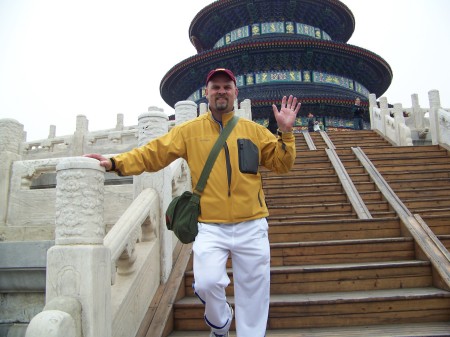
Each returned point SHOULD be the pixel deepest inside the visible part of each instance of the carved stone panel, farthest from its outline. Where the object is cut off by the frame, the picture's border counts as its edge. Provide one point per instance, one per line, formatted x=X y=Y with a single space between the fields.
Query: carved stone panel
x=79 y=202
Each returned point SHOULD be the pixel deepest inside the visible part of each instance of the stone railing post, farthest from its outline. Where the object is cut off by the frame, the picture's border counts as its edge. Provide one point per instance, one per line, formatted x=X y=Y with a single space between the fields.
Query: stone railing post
x=236 y=105
x=79 y=265
x=11 y=136
x=151 y=125
x=185 y=111
x=119 y=123
x=384 y=108
x=203 y=108
x=398 y=113
x=435 y=105
x=81 y=131
x=52 y=132
x=399 y=121
x=246 y=109
x=417 y=112
x=372 y=105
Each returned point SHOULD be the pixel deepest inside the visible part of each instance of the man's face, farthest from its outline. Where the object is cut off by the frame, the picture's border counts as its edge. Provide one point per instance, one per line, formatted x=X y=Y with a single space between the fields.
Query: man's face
x=357 y=101
x=221 y=93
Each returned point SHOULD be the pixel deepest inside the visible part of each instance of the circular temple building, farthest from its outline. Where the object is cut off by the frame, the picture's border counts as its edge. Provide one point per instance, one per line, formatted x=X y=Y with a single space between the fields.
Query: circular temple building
x=277 y=48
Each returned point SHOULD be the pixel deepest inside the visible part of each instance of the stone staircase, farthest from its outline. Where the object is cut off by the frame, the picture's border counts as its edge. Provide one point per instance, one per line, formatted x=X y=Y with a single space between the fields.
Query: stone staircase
x=22 y=283
x=420 y=177
x=343 y=262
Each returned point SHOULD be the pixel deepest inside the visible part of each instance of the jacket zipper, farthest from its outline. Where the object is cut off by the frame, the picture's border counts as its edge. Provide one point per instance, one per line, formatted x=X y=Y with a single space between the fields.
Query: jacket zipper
x=228 y=163
x=227 y=159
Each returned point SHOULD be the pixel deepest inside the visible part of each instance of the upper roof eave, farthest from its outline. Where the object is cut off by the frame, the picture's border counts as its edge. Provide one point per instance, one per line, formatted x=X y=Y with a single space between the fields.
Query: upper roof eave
x=220 y=17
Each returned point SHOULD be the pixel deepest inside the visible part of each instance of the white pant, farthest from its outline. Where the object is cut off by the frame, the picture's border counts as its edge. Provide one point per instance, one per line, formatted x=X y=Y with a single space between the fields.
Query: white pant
x=248 y=244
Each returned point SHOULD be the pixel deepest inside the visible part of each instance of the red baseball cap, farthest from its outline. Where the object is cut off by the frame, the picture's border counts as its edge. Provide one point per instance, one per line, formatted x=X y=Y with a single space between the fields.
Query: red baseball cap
x=228 y=72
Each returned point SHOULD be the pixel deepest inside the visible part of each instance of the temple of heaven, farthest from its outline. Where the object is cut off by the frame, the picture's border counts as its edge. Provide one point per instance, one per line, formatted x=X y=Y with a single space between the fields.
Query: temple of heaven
x=277 y=48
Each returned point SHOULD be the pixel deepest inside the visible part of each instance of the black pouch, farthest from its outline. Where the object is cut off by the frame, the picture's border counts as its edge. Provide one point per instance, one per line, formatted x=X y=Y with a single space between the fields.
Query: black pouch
x=248 y=156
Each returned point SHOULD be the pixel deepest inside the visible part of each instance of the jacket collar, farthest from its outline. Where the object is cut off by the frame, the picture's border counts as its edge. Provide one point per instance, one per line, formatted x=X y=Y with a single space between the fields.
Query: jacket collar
x=225 y=118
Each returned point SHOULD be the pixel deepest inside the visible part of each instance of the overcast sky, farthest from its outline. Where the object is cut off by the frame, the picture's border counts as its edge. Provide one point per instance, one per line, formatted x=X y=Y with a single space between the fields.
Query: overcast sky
x=98 y=58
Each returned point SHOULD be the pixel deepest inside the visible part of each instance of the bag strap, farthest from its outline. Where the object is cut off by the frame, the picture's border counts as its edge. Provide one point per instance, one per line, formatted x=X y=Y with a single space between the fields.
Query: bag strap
x=214 y=153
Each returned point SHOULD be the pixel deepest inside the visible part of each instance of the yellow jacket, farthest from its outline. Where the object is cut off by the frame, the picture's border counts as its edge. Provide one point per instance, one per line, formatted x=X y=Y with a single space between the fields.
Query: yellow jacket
x=230 y=196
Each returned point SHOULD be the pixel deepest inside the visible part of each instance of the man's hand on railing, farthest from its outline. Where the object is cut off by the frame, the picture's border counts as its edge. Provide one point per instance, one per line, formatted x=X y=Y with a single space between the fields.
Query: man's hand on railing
x=105 y=162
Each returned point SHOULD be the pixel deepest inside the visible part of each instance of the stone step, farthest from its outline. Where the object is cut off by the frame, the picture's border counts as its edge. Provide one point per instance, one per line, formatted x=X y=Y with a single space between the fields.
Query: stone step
x=313 y=217
x=409 y=166
x=371 y=196
x=336 y=309
x=435 y=329
x=23 y=266
x=318 y=171
x=437 y=191
x=375 y=250
x=418 y=184
x=418 y=153
x=352 y=143
x=312 y=165
x=434 y=211
x=277 y=189
x=319 y=229
x=331 y=208
x=425 y=202
x=383 y=214
x=403 y=149
x=417 y=160
x=311 y=279
x=439 y=224
x=416 y=175
x=304 y=198
x=300 y=179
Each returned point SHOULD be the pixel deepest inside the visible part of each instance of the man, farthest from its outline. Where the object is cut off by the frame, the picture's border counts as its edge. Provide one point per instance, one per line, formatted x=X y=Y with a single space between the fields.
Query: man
x=358 y=112
x=272 y=126
x=311 y=122
x=233 y=210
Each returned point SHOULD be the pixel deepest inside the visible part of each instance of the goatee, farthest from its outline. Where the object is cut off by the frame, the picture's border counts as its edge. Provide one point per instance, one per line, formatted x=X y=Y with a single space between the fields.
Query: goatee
x=221 y=106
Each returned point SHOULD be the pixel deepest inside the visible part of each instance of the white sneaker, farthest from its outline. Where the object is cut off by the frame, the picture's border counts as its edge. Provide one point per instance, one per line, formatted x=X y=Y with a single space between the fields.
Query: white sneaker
x=227 y=334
